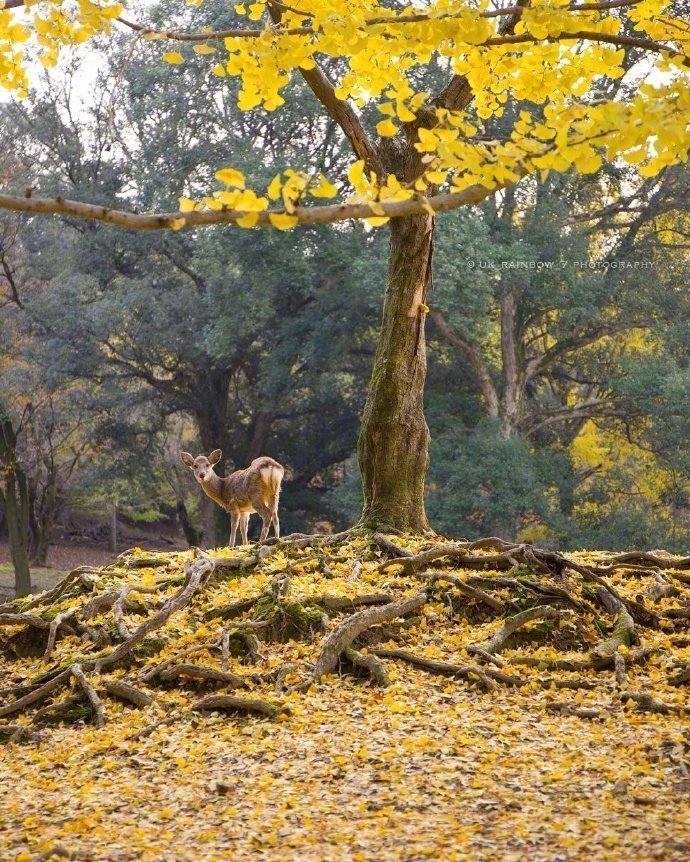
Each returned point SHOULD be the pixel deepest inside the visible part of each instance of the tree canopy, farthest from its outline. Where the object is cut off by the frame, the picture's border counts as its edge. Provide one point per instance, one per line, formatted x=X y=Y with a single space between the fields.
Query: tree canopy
x=546 y=64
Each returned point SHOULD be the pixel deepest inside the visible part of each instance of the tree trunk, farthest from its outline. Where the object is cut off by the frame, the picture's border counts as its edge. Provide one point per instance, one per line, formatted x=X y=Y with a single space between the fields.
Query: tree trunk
x=394 y=438
x=191 y=534
x=113 y=528
x=17 y=535
x=260 y=427
x=216 y=521
x=15 y=500
x=41 y=521
x=513 y=373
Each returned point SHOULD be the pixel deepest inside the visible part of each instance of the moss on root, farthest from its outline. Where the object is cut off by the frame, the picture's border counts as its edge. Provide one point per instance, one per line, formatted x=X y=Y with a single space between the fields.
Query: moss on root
x=287 y=620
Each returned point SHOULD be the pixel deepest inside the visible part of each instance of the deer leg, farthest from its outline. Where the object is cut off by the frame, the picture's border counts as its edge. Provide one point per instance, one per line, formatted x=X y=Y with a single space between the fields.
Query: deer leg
x=234 y=521
x=266 y=516
x=244 y=527
x=276 y=522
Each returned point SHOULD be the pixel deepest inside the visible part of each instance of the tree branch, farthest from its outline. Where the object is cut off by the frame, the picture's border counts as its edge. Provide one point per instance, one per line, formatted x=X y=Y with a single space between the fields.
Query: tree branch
x=458 y=94
x=513 y=13
x=473 y=353
x=341 y=111
x=305 y=215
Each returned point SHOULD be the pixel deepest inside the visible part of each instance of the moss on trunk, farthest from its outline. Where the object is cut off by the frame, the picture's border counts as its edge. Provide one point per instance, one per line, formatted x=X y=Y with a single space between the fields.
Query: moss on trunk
x=394 y=438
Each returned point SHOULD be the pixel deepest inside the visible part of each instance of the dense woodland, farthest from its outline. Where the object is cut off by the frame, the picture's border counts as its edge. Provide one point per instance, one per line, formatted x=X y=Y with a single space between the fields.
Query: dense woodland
x=558 y=396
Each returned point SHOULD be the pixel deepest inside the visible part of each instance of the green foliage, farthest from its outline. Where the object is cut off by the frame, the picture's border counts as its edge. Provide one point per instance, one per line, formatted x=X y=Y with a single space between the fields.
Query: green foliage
x=483 y=484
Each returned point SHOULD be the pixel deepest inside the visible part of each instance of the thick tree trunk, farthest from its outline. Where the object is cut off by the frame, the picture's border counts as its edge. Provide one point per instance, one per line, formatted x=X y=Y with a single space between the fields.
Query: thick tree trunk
x=394 y=438
x=260 y=428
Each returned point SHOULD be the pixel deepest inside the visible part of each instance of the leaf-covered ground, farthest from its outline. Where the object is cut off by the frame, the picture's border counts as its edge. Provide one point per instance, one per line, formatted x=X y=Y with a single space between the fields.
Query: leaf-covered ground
x=336 y=698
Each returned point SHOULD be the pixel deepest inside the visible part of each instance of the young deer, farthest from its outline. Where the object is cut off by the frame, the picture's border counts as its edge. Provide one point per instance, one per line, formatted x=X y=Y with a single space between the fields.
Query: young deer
x=255 y=489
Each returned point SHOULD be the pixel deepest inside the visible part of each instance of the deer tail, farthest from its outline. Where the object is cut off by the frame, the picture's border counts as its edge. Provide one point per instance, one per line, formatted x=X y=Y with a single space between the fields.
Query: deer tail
x=272 y=476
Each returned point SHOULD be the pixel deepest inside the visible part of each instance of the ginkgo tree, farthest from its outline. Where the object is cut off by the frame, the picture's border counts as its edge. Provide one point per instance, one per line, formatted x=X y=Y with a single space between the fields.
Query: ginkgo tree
x=544 y=64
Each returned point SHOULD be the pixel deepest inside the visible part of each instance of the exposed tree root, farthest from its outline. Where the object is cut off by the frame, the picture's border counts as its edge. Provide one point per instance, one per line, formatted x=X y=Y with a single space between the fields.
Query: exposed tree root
x=445 y=668
x=90 y=692
x=623 y=634
x=283 y=673
x=389 y=546
x=346 y=603
x=370 y=663
x=130 y=693
x=36 y=695
x=469 y=672
x=592 y=663
x=647 y=702
x=239 y=704
x=217 y=624
x=29 y=620
x=497 y=641
x=646 y=559
x=343 y=636
x=681 y=678
x=198 y=671
x=232 y=609
x=467 y=590
x=569 y=709
x=300 y=540
x=247 y=642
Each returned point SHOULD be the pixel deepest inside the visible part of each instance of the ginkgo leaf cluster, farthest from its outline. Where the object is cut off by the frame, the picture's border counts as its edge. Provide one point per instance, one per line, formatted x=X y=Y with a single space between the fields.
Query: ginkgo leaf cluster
x=554 y=63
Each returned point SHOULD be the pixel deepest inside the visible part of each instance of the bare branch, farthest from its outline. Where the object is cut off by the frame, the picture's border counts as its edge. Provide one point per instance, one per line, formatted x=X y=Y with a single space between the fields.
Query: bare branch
x=471 y=350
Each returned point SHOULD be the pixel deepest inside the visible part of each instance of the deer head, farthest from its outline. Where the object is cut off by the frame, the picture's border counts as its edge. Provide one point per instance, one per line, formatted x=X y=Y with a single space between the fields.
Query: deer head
x=201 y=466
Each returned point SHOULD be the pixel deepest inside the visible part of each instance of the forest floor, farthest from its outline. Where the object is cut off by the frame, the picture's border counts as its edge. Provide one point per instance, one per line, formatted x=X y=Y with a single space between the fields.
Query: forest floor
x=62 y=558
x=463 y=703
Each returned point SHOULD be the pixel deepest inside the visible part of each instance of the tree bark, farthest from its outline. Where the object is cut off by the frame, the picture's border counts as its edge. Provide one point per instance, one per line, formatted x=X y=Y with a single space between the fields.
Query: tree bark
x=513 y=376
x=191 y=534
x=394 y=438
x=211 y=422
x=15 y=500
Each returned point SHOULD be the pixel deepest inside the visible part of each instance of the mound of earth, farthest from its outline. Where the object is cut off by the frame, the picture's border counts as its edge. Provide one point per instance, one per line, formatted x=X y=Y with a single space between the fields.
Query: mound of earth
x=354 y=696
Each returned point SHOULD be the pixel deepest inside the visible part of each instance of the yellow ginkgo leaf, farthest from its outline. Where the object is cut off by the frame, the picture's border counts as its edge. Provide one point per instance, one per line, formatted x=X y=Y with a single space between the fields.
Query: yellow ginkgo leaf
x=231 y=177
x=186 y=205
x=173 y=57
x=204 y=49
x=275 y=187
x=386 y=128
x=283 y=221
x=248 y=220
x=323 y=189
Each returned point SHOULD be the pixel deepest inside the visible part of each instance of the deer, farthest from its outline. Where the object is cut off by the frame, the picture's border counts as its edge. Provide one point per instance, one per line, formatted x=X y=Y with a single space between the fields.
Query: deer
x=254 y=489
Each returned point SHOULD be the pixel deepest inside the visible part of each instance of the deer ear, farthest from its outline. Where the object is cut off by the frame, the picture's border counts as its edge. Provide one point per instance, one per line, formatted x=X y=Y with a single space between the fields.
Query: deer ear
x=187 y=458
x=215 y=456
